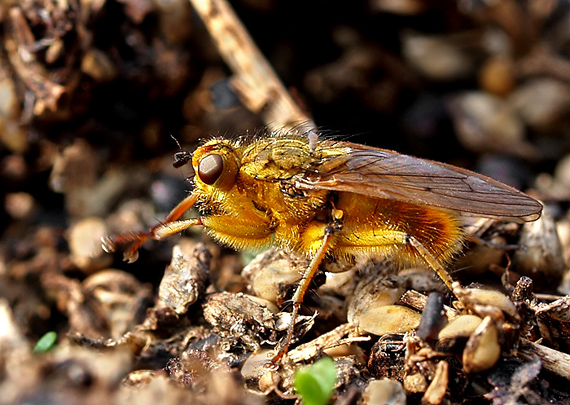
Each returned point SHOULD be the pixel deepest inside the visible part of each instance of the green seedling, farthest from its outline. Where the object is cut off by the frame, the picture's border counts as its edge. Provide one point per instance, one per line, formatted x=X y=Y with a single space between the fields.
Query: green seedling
x=315 y=383
x=46 y=342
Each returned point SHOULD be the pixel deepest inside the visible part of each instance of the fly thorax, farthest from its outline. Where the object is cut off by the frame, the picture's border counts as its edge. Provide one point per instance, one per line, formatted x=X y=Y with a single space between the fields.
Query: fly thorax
x=288 y=189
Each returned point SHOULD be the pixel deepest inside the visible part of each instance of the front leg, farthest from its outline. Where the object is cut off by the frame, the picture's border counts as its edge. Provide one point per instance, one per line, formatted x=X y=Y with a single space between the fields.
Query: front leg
x=161 y=230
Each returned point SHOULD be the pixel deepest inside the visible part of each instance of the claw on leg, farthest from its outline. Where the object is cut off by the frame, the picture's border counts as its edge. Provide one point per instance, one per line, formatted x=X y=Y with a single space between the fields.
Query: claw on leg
x=162 y=230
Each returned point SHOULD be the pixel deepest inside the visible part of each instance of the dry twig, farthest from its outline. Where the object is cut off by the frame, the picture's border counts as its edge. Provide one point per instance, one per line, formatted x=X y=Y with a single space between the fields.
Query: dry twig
x=255 y=82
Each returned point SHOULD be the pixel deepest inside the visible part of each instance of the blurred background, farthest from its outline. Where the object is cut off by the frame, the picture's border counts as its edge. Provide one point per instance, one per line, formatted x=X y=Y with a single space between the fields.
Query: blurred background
x=92 y=93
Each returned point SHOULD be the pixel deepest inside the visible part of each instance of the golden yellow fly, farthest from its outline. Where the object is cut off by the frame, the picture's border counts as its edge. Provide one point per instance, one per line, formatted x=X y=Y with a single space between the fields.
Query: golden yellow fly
x=333 y=199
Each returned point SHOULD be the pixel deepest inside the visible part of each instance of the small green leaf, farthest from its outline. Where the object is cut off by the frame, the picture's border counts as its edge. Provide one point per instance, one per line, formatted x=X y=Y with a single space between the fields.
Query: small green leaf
x=46 y=342
x=315 y=383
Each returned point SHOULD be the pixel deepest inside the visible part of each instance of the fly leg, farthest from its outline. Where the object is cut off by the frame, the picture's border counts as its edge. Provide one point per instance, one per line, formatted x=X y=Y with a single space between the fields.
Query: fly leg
x=388 y=238
x=404 y=238
x=302 y=289
x=430 y=260
x=161 y=230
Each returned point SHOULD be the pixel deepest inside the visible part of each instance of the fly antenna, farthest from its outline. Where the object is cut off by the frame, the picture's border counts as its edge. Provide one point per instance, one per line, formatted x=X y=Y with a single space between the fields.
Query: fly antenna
x=181 y=157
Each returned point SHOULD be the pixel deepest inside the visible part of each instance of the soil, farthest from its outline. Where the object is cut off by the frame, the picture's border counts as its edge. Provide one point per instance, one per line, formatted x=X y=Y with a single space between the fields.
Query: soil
x=97 y=97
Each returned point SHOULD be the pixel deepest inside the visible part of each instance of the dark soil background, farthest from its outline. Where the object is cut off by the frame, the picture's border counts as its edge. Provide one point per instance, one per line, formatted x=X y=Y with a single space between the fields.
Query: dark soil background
x=93 y=92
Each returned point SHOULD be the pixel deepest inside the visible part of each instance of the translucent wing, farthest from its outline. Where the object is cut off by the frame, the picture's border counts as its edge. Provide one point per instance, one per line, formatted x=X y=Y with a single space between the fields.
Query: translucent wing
x=386 y=174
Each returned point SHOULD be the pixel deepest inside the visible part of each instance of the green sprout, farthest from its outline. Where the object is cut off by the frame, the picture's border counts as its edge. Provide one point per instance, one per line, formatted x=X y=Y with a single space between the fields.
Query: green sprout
x=315 y=383
x=46 y=342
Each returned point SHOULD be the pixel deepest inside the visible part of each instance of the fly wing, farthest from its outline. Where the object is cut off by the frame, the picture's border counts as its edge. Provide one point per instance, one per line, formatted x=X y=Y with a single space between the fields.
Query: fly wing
x=386 y=174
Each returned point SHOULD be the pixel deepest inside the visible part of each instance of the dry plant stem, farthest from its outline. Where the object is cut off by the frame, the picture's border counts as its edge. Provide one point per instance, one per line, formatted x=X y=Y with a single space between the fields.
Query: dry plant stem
x=418 y=301
x=325 y=341
x=552 y=360
x=46 y=93
x=438 y=387
x=255 y=82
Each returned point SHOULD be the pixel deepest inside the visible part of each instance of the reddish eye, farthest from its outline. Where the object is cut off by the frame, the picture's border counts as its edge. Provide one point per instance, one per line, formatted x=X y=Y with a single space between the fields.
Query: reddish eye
x=210 y=168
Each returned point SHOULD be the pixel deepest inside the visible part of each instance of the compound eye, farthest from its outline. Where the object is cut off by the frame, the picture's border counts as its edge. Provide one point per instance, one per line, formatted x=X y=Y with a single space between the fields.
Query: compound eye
x=210 y=168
